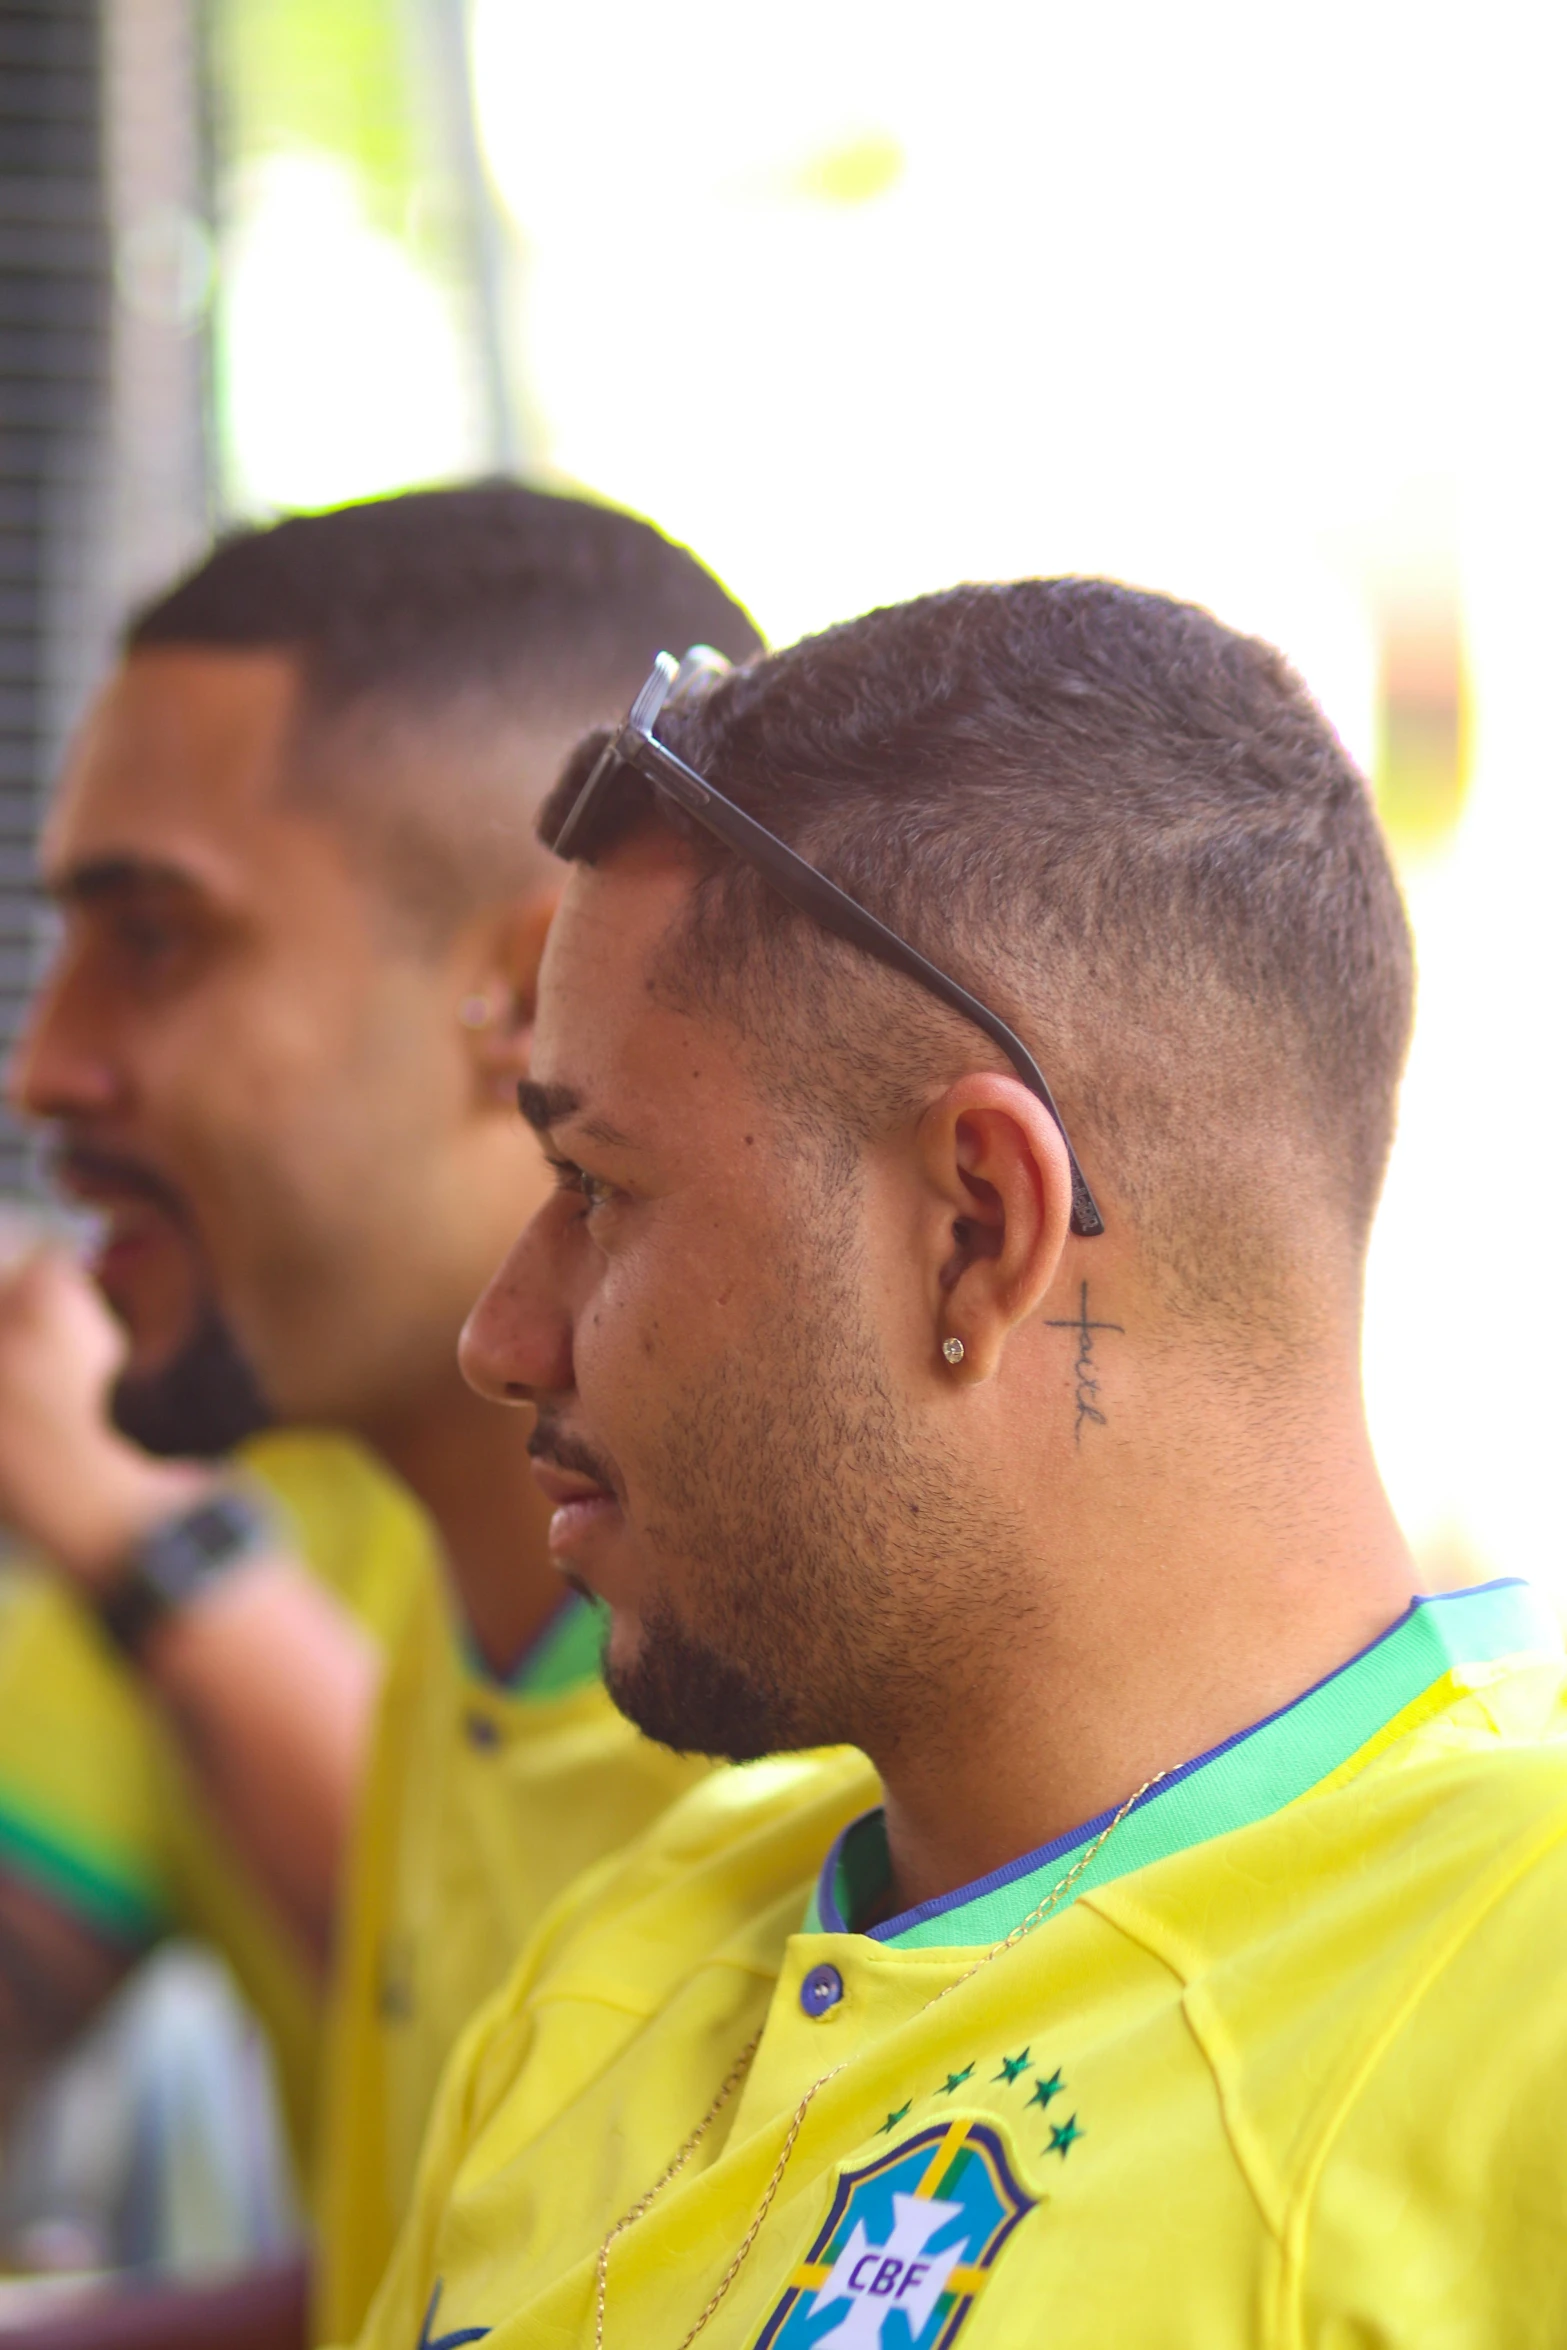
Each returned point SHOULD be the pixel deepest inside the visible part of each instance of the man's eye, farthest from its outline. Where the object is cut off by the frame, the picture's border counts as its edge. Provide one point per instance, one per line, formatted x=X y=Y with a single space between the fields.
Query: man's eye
x=591 y=1189
x=144 y=938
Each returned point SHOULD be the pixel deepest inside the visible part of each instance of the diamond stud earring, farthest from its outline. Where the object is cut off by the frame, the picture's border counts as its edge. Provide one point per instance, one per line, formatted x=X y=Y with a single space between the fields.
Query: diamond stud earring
x=952 y=1350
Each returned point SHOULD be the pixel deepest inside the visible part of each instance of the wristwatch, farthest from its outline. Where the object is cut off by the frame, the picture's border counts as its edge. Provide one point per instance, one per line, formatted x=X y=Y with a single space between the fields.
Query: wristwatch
x=180 y=1560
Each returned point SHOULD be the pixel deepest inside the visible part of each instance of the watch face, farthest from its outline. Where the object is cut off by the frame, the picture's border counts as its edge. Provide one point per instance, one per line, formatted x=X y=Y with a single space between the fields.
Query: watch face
x=216 y=1529
x=173 y=1563
x=183 y=1554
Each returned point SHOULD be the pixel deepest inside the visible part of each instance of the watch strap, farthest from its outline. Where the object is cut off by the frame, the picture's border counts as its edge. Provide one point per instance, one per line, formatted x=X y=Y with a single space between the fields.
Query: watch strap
x=179 y=1560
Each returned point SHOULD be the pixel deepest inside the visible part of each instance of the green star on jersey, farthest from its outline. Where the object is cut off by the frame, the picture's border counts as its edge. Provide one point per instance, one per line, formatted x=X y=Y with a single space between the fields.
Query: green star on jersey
x=1045 y=2090
x=954 y=2081
x=1011 y=2066
x=1063 y=2137
x=893 y=2119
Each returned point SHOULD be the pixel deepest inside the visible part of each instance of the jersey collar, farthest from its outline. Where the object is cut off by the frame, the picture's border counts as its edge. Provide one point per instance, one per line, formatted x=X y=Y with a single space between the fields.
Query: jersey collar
x=566 y=1653
x=1253 y=1773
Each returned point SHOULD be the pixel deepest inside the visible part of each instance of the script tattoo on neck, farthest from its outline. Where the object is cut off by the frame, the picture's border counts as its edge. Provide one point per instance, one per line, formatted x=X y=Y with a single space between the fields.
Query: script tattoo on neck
x=1089 y=1410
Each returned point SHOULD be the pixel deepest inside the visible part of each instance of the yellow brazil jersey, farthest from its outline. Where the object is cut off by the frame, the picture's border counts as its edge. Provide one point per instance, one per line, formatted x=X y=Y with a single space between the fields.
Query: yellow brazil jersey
x=483 y=1800
x=97 y=1809
x=1284 y=2066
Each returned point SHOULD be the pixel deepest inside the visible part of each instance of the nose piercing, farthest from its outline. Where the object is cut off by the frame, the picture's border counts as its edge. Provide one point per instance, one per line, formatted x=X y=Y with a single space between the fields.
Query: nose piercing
x=952 y=1350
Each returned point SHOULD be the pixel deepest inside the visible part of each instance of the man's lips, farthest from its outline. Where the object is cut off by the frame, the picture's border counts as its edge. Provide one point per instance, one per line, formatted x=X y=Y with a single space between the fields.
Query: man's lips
x=127 y=1226
x=118 y=1186
x=582 y=1507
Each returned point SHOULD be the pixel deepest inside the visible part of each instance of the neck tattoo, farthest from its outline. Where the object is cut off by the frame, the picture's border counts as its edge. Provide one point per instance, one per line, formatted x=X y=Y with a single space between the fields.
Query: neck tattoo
x=1090 y=1412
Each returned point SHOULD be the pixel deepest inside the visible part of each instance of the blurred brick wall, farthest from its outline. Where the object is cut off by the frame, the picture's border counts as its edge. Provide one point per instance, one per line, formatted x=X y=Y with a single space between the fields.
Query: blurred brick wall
x=54 y=318
x=105 y=266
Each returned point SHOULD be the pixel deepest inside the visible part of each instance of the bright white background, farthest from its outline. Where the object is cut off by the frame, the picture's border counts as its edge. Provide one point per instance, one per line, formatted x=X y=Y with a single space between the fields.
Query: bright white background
x=1254 y=303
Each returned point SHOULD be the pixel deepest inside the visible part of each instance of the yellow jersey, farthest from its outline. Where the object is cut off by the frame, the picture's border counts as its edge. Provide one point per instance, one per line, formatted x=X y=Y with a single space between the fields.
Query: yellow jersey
x=1283 y=2065
x=97 y=1809
x=483 y=1800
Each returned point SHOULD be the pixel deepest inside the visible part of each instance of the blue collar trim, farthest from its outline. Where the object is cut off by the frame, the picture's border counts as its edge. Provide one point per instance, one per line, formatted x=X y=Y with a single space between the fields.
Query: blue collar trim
x=1438 y=1630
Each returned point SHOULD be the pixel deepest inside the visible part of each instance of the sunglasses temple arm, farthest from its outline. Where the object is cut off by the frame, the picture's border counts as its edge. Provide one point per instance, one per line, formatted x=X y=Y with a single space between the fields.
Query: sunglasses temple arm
x=836 y=911
x=577 y=831
x=888 y=948
x=821 y=899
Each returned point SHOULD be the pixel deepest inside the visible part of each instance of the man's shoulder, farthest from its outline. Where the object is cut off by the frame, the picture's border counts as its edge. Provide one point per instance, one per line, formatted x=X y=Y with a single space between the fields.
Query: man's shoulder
x=1340 y=1942
x=1429 y=1829
x=358 y=1528
x=82 y=1803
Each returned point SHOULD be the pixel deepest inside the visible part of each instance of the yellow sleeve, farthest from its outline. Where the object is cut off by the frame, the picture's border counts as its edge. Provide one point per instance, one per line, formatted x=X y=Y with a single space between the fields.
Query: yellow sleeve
x=95 y=1809
x=81 y=1795
x=361 y=1533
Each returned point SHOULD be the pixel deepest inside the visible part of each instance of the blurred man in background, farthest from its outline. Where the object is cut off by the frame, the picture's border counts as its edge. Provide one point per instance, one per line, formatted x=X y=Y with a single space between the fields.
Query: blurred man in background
x=303 y=912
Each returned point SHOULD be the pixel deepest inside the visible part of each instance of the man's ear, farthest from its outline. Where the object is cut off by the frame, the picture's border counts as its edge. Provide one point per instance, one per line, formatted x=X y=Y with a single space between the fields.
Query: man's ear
x=1001 y=1186
x=501 y=991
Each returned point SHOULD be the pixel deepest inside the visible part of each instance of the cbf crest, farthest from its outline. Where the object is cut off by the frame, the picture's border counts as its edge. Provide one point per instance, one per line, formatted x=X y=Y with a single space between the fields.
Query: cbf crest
x=906 y=2248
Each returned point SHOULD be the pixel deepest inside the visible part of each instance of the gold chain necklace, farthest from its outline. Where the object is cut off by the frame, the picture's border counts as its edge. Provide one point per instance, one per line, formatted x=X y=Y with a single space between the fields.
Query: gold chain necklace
x=742 y=2066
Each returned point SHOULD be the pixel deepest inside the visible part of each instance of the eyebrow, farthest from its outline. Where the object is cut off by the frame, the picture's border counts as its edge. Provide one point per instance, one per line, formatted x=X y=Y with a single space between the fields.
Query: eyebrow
x=548 y=1106
x=98 y=878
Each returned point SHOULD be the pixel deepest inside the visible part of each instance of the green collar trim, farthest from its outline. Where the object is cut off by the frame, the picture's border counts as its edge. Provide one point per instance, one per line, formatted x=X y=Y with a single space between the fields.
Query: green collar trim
x=1249 y=1776
x=114 y=1901
x=567 y=1655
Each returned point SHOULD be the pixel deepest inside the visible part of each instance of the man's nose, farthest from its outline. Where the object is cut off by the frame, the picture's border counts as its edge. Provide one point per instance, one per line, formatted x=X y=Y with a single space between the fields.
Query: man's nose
x=54 y=1070
x=516 y=1343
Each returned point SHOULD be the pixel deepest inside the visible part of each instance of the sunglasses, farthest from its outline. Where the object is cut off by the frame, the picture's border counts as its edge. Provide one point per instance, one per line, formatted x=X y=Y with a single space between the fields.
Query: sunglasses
x=596 y=812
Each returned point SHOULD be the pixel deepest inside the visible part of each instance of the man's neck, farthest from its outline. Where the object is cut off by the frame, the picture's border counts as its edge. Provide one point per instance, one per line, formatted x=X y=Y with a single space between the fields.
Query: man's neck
x=468 y=1464
x=1179 y=1606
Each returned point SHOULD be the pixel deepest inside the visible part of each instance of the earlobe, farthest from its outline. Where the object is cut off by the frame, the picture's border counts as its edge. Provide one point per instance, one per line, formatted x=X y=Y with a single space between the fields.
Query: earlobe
x=995 y=1157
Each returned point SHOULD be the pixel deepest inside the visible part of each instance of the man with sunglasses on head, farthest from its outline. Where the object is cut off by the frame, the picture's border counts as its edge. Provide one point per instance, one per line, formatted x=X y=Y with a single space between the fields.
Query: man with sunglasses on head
x=303 y=909
x=1179 y=1968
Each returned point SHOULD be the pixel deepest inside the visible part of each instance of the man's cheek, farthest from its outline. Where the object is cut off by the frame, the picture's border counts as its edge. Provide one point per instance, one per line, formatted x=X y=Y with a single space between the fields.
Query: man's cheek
x=619 y=1337
x=201 y=1118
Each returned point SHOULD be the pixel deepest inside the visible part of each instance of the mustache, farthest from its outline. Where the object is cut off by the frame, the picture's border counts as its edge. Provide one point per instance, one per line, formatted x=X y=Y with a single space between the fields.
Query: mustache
x=88 y=1162
x=553 y=1442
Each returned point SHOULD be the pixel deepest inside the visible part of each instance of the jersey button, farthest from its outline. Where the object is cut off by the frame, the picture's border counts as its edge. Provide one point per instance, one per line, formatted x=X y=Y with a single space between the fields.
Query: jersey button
x=821 y=1989
x=482 y=1732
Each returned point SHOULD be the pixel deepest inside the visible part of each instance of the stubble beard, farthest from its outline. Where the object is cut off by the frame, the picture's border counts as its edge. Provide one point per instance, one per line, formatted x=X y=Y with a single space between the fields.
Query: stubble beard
x=823 y=1558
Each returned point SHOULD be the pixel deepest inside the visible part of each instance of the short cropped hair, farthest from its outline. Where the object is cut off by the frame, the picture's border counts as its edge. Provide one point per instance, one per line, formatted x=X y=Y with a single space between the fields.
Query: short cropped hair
x=468 y=620
x=1132 y=832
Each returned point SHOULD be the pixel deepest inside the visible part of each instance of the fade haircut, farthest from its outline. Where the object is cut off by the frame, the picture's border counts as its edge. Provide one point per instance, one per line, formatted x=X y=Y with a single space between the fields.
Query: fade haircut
x=1131 y=832
x=476 y=630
